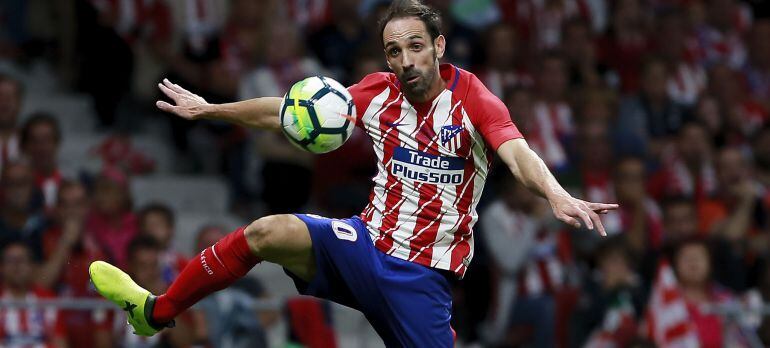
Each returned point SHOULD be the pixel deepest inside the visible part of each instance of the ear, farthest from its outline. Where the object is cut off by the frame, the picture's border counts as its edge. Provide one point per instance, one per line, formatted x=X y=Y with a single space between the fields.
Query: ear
x=440 y=46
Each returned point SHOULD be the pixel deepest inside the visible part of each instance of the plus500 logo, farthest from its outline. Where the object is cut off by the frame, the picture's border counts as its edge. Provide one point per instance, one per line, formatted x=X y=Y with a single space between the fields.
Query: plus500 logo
x=423 y=167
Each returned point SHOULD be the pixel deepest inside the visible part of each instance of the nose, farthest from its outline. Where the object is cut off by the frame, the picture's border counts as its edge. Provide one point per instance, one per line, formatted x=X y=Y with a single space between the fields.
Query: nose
x=406 y=60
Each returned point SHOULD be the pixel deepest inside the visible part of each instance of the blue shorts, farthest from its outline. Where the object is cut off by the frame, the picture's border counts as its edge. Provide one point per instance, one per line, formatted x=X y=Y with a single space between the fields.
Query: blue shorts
x=408 y=304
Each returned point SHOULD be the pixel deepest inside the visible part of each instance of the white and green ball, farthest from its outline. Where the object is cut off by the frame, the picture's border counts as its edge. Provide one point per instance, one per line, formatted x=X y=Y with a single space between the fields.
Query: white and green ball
x=316 y=114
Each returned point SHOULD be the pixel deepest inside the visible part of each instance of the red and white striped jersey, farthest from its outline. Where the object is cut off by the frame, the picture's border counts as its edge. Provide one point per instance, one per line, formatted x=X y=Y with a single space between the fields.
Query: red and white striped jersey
x=433 y=160
x=28 y=327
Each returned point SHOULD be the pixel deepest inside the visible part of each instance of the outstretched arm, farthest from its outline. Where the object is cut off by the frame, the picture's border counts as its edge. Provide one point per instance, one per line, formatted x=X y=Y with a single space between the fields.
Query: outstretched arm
x=530 y=170
x=261 y=113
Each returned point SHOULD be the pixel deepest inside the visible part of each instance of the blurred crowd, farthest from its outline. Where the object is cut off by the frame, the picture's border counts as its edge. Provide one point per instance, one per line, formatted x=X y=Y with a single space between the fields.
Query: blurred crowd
x=660 y=106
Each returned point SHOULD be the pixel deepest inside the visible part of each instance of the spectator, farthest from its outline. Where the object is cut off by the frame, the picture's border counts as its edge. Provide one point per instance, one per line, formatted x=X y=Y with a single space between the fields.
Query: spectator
x=68 y=251
x=554 y=126
x=157 y=222
x=524 y=248
x=343 y=35
x=687 y=79
x=693 y=268
x=651 y=118
x=230 y=318
x=743 y=115
x=579 y=46
x=687 y=168
x=680 y=220
x=20 y=221
x=11 y=94
x=710 y=113
x=737 y=216
x=625 y=43
x=592 y=172
x=757 y=72
x=143 y=265
x=111 y=223
x=27 y=326
x=106 y=62
x=639 y=214
x=40 y=140
x=720 y=38
x=502 y=69
x=285 y=64
x=737 y=210
x=611 y=301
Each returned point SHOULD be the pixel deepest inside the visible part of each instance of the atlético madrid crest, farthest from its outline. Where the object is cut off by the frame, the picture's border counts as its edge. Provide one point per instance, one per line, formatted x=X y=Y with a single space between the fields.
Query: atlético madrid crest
x=449 y=138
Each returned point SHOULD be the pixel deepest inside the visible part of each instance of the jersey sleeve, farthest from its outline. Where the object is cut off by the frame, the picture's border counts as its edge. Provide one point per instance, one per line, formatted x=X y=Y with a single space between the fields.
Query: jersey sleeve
x=491 y=117
x=365 y=90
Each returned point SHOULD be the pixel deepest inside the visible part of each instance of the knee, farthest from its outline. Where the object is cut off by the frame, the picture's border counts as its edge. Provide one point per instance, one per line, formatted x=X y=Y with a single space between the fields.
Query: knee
x=264 y=234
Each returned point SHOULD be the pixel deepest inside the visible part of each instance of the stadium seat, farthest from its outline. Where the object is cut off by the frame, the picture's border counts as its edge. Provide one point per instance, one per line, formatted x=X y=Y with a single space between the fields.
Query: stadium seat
x=189 y=194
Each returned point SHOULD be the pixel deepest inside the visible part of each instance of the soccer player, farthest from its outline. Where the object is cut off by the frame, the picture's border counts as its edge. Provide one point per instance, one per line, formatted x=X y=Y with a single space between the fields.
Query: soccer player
x=435 y=130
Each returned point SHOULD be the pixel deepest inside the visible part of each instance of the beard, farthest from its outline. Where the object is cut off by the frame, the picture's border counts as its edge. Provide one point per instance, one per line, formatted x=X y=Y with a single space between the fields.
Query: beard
x=422 y=85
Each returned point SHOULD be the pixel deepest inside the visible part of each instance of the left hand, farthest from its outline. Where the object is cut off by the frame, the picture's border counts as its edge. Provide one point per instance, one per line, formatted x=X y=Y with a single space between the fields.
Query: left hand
x=572 y=211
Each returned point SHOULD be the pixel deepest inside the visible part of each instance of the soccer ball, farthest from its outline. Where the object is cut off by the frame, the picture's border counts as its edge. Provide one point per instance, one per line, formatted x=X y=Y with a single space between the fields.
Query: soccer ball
x=317 y=114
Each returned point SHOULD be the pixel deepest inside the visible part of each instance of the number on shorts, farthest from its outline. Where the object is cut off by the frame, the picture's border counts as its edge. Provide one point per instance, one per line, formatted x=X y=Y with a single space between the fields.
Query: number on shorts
x=344 y=231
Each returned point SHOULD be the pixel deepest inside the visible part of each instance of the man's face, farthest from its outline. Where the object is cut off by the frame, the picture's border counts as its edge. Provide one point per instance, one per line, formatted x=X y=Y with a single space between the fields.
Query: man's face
x=654 y=81
x=157 y=225
x=731 y=168
x=18 y=187
x=502 y=47
x=680 y=221
x=9 y=104
x=42 y=145
x=693 y=144
x=72 y=203
x=629 y=180
x=144 y=266
x=693 y=266
x=412 y=55
x=553 y=78
x=17 y=267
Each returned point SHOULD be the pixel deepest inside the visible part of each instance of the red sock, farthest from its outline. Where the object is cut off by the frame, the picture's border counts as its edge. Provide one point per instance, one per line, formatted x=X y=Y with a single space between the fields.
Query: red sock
x=214 y=269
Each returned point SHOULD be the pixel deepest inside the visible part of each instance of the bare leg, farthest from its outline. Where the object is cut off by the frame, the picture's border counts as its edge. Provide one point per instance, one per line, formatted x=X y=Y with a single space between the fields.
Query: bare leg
x=281 y=239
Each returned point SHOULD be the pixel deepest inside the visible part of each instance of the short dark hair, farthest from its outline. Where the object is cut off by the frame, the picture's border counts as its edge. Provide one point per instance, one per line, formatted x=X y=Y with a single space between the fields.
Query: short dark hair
x=40 y=117
x=412 y=8
x=141 y=242
x=158 y=208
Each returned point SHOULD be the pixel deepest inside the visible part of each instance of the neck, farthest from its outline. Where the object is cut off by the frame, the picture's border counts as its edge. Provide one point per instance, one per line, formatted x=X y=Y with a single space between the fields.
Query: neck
x=694 y=292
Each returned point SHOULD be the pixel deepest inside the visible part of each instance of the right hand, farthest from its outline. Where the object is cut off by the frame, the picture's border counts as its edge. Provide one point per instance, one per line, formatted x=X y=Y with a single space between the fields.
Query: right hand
x=189 y=105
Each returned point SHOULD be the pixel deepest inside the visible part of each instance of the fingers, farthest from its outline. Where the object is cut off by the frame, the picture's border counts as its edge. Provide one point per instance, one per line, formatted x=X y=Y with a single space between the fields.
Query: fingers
x=586 y=219
x=601 y=206
x=569 y=220
x=168 y=92
x=174 y=87
x=597 y=223
x=165 y=106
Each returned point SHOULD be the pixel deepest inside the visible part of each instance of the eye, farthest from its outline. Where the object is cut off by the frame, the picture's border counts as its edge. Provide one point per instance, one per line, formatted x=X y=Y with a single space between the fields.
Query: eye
x=416 y=47
x=393 y=52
